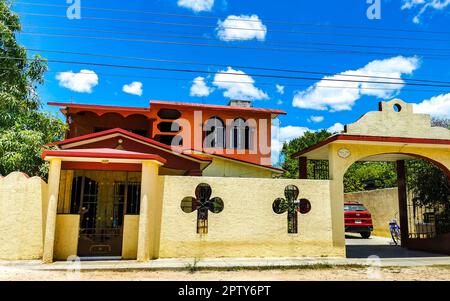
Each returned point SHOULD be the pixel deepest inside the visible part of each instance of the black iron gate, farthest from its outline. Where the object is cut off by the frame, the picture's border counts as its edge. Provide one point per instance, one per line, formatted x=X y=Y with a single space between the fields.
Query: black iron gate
x=102 y=207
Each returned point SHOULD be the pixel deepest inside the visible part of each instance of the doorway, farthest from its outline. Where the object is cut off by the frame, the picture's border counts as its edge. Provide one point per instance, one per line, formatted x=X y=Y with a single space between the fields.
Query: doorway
x=102 y=201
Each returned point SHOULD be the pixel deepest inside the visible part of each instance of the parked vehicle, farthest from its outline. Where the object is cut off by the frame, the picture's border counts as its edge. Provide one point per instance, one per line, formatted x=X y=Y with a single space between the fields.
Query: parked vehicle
x=357 y=219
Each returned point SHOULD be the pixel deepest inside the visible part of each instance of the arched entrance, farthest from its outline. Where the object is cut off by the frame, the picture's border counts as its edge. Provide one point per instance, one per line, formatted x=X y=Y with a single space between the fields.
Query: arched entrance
x=384 y=135
x=413 y=190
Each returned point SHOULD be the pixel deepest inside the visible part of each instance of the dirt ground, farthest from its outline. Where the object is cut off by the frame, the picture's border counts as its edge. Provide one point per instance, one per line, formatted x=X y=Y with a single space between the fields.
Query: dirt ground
x=316 y=273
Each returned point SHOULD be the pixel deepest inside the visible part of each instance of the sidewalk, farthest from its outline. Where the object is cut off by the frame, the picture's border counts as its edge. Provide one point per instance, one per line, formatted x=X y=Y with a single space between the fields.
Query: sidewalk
x=224 y=263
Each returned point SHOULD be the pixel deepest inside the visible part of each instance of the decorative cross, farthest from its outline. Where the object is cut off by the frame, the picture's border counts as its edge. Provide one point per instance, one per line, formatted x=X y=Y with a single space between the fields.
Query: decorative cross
x=202 y=202
x=292 y=205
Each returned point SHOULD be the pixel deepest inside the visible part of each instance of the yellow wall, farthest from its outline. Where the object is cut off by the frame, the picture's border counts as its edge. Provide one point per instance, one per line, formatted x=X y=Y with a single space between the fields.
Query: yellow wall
x=226 y=168
x=130 y=236
x=66 y=236
x=382 y=204
x=21 y=217
x=247 y=226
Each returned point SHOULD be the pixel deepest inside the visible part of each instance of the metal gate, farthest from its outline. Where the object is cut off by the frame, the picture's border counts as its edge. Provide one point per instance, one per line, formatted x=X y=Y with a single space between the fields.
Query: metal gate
x=102 y=207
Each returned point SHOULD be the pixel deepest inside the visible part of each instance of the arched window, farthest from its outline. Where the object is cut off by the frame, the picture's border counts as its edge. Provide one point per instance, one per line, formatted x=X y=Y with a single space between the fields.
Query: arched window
x=241 y=135
x=214 y=133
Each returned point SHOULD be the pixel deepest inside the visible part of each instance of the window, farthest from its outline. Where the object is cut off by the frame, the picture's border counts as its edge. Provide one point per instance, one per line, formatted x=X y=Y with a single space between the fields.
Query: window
x=214 y=133
x=169 y=114
x=241 y=135
x=83 y=201
x=355 y=207
x=128 y=195
x=202 y=203
x=292 y=205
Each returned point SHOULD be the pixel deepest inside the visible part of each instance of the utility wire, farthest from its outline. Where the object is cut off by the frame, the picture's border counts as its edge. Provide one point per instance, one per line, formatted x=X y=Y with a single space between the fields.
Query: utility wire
x=241 y=82
x=252 y=83
x=153 y=13
x=229 y=73
x=226 y=65
x=290 y=49
x=271 y=42
x=233 y=28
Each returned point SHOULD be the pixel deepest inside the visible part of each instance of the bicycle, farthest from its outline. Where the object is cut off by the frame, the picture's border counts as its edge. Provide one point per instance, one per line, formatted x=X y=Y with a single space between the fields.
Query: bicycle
x=394 y=228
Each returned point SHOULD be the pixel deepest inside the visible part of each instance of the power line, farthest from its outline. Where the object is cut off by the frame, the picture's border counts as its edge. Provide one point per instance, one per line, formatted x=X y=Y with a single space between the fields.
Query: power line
x=226 y=65
x=252 y=83
x=298 y=49
x=228 y=73
x=233 y=28
x=241 y=82
x=272 y=42
x=234 y=19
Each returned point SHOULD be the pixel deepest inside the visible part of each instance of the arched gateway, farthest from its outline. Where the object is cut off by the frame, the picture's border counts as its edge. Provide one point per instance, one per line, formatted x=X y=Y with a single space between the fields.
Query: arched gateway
x=393 y=133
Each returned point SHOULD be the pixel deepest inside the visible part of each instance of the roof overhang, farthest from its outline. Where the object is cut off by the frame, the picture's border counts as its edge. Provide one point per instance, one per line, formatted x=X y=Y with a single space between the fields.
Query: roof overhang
x=274 y=112
x=90 y=138
x=101 y=156
x=246 y=163
x=100 y=109
x=319 y=151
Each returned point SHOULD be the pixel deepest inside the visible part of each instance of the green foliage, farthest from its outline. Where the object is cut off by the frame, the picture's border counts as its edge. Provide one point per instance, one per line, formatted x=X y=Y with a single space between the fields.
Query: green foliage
x=428 y=183
x=370 y=175
x=24 y=128
x=298 y=144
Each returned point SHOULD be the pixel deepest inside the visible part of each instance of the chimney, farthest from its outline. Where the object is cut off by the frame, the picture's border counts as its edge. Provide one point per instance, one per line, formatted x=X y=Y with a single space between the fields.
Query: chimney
x=240 y=103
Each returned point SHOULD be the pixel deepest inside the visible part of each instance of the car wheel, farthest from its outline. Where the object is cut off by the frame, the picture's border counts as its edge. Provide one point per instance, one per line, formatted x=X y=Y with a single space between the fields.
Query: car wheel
x=365 y=235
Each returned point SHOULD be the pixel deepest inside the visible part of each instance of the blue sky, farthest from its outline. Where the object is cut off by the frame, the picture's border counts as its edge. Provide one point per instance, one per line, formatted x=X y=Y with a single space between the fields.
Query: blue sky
x=405 y=52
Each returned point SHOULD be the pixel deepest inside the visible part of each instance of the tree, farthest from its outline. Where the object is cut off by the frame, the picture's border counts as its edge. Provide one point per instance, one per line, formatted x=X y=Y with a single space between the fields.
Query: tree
x=24 y=128
x=289 y=148
x=370 y=175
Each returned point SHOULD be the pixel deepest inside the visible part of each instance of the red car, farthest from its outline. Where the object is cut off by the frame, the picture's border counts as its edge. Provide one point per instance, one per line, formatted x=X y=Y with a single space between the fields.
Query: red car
x=357 y=219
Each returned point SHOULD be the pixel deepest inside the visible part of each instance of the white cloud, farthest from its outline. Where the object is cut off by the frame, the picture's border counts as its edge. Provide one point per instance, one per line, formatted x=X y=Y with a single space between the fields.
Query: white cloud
x=81 y=82
x=197 y=5
x=344 y=94
x=279 y=102
x=199 y=87
x=423 y=6
x=280 y=89
x=336 y=128
x=238 y=85
x=437 y=106
x=241 y=28
x=316 y=119
x=280 y=135
x=135 y=88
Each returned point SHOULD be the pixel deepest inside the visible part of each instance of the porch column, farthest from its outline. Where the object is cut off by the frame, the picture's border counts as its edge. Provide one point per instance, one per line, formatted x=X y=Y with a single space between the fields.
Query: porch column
x=303 y=168
x=402 y=201
x=149 y=216
x=50 y=224
x=337 y=167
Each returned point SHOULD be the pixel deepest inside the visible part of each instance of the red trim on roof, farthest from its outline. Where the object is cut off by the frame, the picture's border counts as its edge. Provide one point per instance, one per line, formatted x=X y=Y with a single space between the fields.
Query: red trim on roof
x=216 y=107
x=102 y=153
x=372 y=139
x=164 y=103
x=126 y=133
x=99 y=107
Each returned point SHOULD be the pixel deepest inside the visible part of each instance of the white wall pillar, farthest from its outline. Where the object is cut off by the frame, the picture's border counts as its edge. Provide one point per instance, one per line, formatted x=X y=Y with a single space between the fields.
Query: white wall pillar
x=149 y=211
x=53 y=192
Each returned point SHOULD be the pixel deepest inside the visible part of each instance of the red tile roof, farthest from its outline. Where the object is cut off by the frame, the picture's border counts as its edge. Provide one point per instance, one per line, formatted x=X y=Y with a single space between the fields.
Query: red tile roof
x=107 y=153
